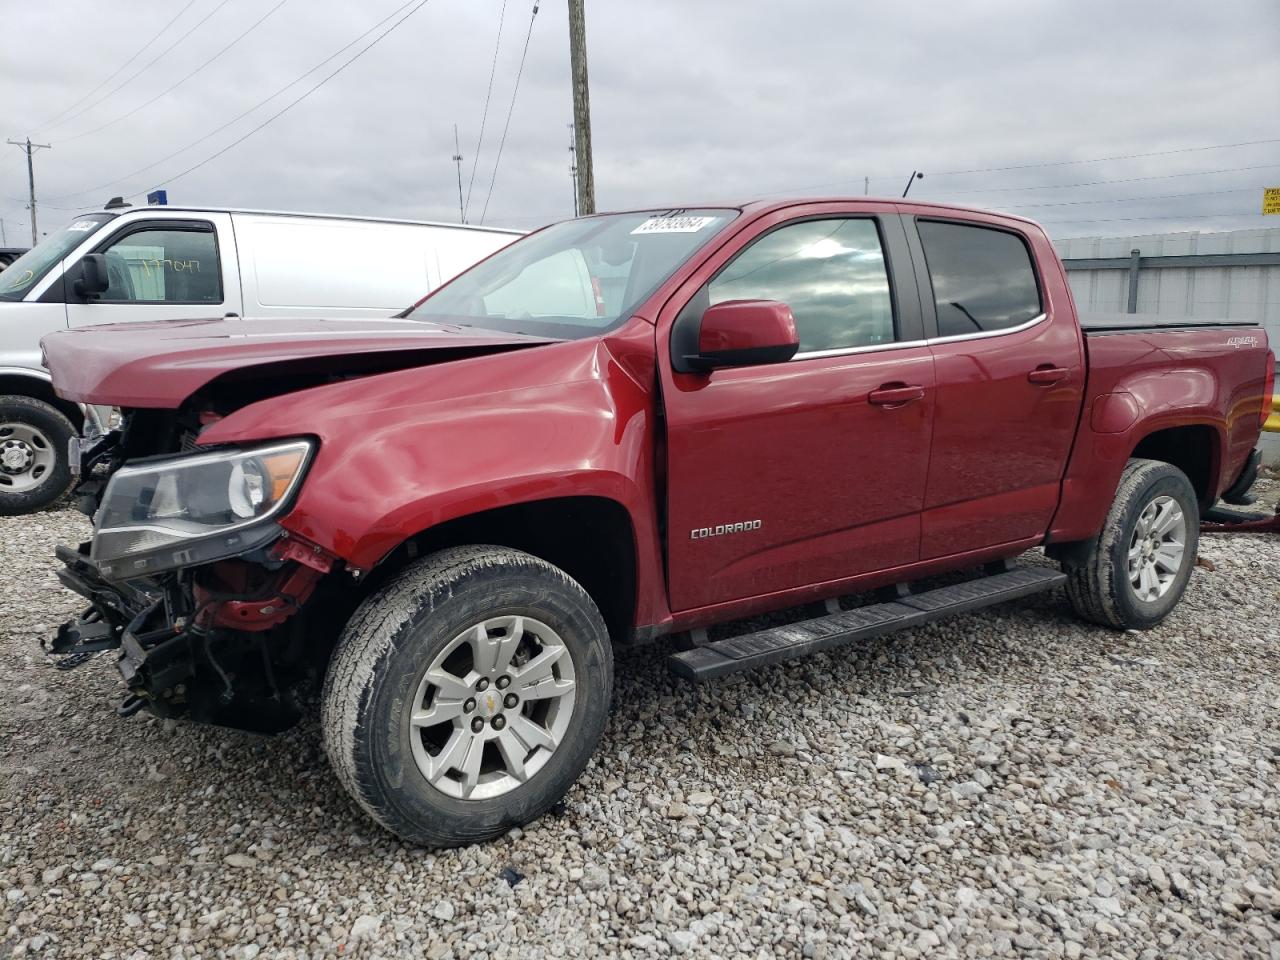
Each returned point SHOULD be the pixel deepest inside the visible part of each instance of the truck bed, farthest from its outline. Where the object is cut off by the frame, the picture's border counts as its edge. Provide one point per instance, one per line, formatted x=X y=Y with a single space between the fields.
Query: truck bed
x=1128 y=322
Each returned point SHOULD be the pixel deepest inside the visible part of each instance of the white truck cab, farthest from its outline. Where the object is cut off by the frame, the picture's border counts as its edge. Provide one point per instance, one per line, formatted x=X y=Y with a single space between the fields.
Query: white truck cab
x=181 y=263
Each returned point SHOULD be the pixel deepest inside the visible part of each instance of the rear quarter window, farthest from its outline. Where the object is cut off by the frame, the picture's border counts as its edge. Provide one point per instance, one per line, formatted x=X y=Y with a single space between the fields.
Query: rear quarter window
x=983 y=279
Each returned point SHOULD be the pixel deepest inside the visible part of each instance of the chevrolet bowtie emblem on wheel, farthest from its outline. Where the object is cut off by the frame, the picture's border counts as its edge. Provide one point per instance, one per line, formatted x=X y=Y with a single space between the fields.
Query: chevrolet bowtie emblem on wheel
x=720 y=530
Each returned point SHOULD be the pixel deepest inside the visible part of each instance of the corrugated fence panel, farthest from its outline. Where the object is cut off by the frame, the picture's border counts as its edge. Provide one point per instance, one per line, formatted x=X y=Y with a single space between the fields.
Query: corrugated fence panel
x=1238 y=293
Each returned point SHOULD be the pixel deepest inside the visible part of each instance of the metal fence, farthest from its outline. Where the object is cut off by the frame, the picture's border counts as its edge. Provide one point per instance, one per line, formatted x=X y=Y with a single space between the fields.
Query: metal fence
x=1230 y=275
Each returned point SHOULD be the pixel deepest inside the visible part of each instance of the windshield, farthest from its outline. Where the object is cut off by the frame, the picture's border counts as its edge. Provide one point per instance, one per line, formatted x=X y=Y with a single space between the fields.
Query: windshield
x=574 y=279
x=25 y=272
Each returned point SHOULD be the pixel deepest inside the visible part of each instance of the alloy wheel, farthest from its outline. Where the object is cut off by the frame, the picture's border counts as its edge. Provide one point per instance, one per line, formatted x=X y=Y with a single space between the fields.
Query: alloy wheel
x=492 y=707
x=1157 y=548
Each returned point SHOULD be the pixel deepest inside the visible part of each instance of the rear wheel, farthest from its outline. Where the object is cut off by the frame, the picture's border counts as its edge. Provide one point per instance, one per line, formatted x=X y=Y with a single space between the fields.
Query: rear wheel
x=33 y=454
x=467 y=695
x=1137 y=570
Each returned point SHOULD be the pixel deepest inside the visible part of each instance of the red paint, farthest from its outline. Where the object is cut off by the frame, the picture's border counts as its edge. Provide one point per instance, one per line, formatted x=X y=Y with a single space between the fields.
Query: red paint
x=272 y=605
x=161 y=363
x=1142 y=382
x=1268 y=389
x=1000 y=437
x=861 y=469
x=746 y=325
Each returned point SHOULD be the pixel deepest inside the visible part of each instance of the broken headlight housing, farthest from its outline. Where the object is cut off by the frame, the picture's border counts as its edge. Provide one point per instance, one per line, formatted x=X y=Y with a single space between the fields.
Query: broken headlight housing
x=182 y=511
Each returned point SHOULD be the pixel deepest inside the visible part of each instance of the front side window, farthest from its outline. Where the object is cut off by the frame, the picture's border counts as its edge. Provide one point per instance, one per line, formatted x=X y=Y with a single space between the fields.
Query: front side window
x=574 y=279
x=982 y=278
x=157 y=265
x=832 y=275
x=24 y=273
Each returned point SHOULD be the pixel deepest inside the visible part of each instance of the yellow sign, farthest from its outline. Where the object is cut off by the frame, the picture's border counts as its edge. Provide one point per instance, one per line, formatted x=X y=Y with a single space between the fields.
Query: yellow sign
x=1271 y=199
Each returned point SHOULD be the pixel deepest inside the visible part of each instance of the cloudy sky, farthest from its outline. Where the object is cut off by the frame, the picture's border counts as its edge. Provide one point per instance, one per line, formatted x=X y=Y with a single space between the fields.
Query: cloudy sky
x=691 y=101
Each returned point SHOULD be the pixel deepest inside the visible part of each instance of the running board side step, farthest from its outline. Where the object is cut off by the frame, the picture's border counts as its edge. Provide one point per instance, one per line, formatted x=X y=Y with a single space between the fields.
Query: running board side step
x=723 y=657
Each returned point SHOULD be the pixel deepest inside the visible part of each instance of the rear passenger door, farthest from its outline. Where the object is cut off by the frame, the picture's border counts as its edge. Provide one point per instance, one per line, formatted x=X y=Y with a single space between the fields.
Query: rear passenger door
x=163 y=269
x=1010 y=374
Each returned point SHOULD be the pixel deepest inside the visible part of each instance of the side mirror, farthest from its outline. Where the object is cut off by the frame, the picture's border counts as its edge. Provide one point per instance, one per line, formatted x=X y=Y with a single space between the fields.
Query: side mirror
x=742 y=332
x=93 y=277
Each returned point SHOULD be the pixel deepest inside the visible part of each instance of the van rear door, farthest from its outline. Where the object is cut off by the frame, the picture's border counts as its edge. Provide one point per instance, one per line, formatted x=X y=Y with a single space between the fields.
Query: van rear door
x=162 y=267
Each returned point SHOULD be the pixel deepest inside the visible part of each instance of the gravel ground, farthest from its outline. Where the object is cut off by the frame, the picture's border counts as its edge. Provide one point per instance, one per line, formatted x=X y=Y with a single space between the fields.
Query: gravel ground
x=1006 y=784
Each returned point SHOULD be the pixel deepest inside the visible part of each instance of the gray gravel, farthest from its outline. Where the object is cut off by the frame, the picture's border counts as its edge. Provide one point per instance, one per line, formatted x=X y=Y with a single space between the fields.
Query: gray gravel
x=1007 y=784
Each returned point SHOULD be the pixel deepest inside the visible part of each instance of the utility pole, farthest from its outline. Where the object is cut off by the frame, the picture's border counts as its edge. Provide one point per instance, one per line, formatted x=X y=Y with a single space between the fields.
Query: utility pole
x=28 y=148
x=581 y=109
x=4 y=237
x=573 y=169
x=866 y=186
x=457 y=159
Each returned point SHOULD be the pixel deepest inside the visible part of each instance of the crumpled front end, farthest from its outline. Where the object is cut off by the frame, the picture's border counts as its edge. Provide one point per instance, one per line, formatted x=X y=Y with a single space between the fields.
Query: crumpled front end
x=191 y=584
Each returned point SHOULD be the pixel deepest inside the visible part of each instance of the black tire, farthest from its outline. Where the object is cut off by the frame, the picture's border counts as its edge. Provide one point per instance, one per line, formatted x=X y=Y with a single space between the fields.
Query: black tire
x=372 y=682
x=1098 y=583
x=56 y=430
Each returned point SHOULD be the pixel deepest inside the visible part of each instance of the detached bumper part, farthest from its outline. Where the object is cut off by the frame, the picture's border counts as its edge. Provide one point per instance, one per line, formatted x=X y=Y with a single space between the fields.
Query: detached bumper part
x=170 y=665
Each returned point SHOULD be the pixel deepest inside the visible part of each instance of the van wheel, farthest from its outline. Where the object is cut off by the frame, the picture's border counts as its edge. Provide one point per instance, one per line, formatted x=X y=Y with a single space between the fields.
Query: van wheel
x=467 y=695
x=1135 y=573
x=33 y=454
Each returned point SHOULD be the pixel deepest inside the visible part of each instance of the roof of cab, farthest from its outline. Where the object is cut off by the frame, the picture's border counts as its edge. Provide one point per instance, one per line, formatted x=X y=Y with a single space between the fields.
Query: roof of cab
x=120 y=211
x=766 y=205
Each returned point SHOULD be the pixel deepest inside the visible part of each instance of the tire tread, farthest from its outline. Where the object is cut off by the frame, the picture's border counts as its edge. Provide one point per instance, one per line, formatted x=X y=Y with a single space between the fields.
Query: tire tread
x=1091 y=584
x=370 y=636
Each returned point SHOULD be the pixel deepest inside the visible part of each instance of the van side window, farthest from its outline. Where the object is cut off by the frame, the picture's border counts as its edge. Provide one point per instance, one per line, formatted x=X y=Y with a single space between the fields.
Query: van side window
x=982 y=278
x=832 y=275
x=164 y=266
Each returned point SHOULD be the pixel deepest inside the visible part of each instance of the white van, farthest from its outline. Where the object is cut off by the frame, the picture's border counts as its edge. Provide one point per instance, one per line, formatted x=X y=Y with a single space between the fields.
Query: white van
x=154 y=263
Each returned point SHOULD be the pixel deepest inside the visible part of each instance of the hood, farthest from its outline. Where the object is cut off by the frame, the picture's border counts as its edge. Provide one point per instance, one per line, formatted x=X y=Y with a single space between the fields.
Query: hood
x=162 y=363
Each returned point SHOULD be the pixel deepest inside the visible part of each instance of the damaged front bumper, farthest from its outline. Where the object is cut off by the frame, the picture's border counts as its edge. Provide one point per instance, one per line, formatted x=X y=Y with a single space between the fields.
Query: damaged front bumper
x=183 y=650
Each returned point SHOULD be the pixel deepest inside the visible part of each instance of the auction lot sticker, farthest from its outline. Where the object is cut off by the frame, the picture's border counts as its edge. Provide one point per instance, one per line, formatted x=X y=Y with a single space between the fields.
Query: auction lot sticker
x=673 y=225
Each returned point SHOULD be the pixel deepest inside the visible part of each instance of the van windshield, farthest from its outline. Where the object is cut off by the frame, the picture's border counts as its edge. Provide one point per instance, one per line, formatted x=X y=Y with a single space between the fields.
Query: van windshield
x=25 y=272
x=574 y=279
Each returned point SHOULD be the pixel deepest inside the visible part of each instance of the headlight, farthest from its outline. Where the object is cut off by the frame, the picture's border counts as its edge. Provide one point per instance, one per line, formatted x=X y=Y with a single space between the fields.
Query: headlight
x=181 y=511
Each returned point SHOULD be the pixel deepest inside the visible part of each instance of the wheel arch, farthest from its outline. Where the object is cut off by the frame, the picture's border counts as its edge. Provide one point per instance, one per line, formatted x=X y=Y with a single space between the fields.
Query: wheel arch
x=1194 y=448
x=15 y=381
x=1194 y=443
x=591 y=538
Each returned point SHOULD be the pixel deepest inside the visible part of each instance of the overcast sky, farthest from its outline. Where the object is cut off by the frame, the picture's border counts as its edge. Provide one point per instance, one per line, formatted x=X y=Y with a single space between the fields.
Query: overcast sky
x=691 y=101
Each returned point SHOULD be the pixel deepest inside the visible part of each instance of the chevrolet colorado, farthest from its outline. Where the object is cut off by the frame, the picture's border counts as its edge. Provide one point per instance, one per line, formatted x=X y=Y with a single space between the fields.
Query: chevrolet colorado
x=619 y=427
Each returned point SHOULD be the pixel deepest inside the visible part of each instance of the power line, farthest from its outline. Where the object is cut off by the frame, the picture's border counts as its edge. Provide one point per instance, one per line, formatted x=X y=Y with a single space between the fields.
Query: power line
x=293 y=103
x=1097 y=183
x=1158 y=196
x=120 y=69
x=169 y=90
x=1172 y=216
x=238 y=117
x=484 y=114
x=510 y=109
x=1041 y=164
x=147 y=66
x=1127 y=156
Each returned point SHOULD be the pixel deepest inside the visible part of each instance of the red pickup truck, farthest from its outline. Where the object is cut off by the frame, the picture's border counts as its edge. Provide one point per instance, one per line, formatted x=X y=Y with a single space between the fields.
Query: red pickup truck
x=620 y=427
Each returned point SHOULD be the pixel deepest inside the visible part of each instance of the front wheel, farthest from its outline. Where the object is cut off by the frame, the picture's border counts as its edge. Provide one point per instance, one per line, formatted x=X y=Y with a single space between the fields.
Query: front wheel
x=1135 y=573
x=467 y=695
x=34 y=470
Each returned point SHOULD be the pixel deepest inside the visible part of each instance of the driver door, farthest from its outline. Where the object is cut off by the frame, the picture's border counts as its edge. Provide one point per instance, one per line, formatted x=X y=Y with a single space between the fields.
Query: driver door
x=163 y=269
x=809 y=472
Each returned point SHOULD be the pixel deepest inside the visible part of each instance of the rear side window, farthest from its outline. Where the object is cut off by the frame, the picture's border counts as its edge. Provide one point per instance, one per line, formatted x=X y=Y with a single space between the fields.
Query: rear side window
x=983 y=280
x=832 y=275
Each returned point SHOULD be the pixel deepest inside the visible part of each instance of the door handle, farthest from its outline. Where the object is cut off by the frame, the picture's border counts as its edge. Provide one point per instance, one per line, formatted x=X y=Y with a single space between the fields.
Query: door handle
x=1047 y=373
x=895 y=394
